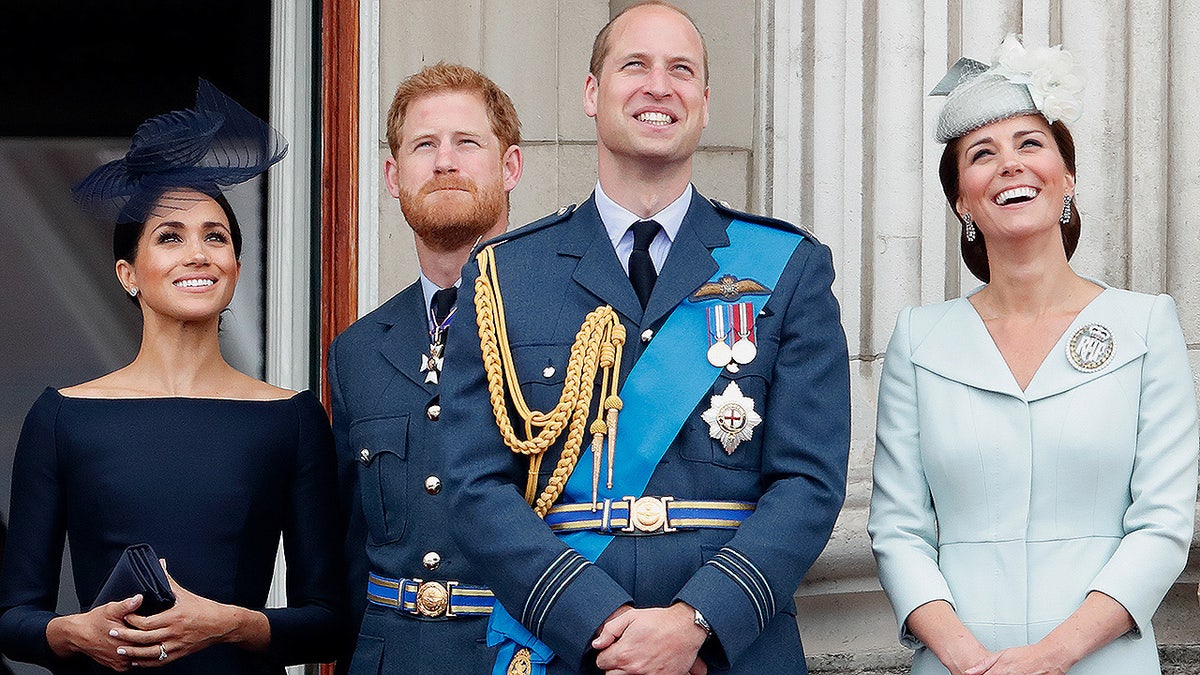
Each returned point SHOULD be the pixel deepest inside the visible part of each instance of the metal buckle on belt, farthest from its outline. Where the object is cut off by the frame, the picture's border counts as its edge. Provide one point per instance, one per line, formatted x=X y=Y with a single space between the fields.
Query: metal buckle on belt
x=647 y=515
x=433 y=598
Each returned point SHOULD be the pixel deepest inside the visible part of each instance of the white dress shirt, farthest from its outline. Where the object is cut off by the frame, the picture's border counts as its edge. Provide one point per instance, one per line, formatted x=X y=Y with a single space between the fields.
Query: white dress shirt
x=428 y=288
x=618 y=221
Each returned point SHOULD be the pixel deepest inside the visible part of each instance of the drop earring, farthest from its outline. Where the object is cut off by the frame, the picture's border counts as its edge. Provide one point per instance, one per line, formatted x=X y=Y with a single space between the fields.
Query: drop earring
x=1066 y=212
x=968 y=227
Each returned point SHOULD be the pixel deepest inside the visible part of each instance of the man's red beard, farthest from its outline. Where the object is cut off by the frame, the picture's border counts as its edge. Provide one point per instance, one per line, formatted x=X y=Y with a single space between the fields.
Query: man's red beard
x=451 y=224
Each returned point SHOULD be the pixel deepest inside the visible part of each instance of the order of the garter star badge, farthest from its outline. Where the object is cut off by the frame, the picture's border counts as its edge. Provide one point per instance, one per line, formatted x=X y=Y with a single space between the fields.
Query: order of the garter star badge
x=731 y=418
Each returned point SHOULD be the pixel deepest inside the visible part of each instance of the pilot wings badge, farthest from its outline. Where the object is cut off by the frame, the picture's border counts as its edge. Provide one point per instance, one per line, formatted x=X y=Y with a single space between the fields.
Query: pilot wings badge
x=728 y=288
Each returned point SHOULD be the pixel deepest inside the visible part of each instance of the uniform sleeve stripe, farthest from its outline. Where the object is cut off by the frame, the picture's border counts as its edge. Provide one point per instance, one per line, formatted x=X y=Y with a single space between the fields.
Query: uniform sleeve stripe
x=557 y=575
x=758 y=608
x=525 y=612
x=759 y=576
x=750 y=573
x=549 y=603
x=730 y=566
x=738 y=567
x=762 y=595
x=550 y=580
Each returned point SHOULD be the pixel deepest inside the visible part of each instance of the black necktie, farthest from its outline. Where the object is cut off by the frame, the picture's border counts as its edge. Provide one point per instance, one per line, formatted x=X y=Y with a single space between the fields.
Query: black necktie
x=641 y=268
x=442 y=302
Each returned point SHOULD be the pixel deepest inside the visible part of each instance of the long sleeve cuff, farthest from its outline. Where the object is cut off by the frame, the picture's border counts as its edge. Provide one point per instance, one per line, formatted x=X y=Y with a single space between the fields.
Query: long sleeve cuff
x=308 y=634
x=24 y=632
x=569 y=603
x=733 y=595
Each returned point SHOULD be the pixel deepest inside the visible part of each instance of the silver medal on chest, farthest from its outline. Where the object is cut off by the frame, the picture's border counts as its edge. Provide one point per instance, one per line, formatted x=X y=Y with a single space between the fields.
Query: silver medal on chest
x=720 y=354
x=744 y=351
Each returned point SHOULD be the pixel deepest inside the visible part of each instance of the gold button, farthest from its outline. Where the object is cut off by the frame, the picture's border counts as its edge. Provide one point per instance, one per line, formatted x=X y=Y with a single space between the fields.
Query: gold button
x=433 y=485
x=432 y=560
x=647 y=335
x=365 y=454
x=433 y=412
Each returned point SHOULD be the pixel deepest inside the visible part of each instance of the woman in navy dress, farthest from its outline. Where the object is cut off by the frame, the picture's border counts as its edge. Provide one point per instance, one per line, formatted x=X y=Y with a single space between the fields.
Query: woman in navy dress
x=178 y=449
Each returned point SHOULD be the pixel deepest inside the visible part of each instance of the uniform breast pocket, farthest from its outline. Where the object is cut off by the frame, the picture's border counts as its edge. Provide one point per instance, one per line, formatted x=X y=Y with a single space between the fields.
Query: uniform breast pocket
x=736 y=418
x=541 y=370
x=383 y=475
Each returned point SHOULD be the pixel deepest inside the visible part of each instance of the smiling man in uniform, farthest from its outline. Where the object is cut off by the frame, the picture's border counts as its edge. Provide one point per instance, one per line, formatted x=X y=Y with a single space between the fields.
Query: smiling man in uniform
x=669 y=388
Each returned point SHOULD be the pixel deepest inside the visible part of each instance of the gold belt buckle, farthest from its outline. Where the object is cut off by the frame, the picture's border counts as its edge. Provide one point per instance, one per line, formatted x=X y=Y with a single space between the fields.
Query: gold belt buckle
x=648 y=515
x=433 y=598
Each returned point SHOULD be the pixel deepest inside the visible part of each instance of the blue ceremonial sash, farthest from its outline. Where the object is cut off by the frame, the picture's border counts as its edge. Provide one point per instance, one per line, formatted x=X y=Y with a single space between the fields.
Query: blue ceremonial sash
x=664 y=387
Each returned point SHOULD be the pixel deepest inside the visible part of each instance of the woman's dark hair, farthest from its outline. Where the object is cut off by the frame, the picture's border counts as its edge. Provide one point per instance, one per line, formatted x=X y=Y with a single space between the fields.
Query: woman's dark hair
x=126 y=234
x=974 y=253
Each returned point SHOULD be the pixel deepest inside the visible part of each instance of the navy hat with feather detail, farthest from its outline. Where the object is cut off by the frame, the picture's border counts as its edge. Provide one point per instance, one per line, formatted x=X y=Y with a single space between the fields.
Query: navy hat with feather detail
x=214 y=145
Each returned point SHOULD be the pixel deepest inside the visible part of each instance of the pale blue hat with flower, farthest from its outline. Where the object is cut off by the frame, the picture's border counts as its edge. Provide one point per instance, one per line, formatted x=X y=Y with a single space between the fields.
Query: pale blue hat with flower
x=1020 y=81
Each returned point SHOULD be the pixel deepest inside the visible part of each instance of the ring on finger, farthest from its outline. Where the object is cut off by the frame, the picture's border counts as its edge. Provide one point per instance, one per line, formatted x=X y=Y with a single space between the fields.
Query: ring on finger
x=162 y=652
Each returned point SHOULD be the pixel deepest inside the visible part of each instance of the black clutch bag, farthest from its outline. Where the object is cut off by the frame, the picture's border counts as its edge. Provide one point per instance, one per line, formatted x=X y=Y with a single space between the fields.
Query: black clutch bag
x=138 y=571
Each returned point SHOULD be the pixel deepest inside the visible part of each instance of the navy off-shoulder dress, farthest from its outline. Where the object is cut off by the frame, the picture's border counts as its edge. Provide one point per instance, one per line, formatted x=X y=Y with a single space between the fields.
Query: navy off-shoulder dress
x=209 y=483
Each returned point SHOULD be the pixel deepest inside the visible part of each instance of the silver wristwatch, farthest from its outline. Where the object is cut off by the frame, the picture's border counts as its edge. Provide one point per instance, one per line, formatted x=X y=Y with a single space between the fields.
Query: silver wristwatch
x=699 y=620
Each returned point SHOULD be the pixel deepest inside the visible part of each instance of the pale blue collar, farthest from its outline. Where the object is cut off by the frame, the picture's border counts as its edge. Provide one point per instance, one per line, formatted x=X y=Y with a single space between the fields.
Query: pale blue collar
x=617 y=218
x=428 y=288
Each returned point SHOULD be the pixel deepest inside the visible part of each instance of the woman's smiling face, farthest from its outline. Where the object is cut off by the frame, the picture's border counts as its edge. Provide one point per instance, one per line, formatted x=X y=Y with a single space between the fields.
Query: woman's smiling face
x=185 y=267
x=1012 y=177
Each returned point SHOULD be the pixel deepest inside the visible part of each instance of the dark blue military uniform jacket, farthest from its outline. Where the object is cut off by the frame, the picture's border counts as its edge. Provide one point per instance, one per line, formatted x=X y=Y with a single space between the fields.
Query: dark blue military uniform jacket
x=391 y=485
x=551 y=274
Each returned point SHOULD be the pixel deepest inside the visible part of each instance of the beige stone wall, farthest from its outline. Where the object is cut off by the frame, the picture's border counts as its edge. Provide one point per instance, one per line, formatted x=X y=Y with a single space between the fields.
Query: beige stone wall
x=538 y=51
x=819 y=116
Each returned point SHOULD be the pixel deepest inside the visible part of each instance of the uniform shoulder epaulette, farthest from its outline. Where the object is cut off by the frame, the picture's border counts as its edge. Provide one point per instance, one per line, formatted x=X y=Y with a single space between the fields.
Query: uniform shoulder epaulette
x=536 y=226
x=723 y=207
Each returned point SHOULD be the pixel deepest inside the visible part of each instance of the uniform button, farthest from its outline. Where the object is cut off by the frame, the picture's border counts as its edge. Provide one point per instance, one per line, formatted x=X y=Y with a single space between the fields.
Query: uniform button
x=647 y=335
x=433 y=485
x=432 y=560
x=365 y=454
x=548 y=372
x=433 y=412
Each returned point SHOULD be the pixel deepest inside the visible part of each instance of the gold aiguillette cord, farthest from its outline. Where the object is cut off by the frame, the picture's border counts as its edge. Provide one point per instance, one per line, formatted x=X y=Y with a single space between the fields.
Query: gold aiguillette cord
x=597 y=347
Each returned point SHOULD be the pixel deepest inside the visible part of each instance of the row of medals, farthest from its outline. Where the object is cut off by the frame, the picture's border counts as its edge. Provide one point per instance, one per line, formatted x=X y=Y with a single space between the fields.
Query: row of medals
x=722 y=326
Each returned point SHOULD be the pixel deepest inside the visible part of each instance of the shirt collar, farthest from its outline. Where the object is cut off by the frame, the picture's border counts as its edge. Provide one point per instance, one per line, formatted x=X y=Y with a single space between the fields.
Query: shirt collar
x=617 y=218
x=428 y=288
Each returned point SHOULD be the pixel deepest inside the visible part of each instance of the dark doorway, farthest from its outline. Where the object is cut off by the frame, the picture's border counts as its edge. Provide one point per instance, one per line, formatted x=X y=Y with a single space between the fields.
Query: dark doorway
x=85 y=68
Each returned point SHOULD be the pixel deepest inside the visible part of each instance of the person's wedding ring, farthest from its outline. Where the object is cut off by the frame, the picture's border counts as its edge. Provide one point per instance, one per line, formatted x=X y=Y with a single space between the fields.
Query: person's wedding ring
x=162 y=652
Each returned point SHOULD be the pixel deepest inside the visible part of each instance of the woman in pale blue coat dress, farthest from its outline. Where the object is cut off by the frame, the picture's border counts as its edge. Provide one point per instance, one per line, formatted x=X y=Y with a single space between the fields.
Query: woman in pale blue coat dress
x=1035 y=466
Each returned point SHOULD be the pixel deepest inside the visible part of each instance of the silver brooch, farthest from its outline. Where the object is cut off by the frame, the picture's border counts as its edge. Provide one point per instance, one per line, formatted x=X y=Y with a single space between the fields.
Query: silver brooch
x=731 y=418
x=1090 y=348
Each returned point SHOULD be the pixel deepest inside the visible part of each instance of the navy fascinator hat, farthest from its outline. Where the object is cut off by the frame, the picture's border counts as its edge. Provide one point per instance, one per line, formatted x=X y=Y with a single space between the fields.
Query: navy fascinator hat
x=214 y=145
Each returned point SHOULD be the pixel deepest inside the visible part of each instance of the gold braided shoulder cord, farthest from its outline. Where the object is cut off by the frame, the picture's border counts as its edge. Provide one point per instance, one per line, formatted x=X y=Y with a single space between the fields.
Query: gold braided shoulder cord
x=597 y=347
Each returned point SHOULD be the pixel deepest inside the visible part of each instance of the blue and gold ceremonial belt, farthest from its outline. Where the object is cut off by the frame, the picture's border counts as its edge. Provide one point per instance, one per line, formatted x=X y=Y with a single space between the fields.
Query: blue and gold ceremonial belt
x=650 y=515
x=430 y=599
